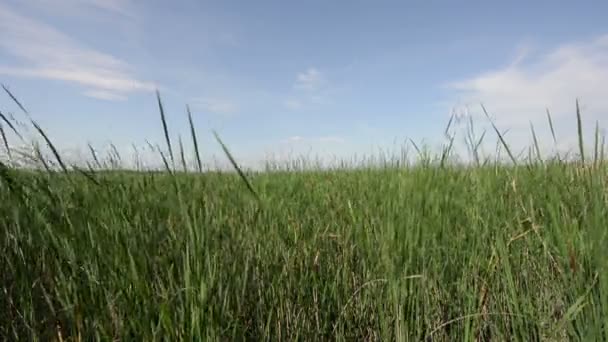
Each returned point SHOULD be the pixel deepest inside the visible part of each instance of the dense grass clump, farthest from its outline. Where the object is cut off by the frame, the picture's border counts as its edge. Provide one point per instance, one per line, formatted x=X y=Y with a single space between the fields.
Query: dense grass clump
x=433 y=251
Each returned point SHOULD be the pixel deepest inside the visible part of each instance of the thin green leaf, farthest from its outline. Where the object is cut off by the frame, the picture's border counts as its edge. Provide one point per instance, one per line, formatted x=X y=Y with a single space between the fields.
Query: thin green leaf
x=51 y=146
x=10 y=124
x=5 y=140
x=236 y=167
x=502 y=140
x=579 y=125
x=194 y=141
x=165 y=128
x=15 y=100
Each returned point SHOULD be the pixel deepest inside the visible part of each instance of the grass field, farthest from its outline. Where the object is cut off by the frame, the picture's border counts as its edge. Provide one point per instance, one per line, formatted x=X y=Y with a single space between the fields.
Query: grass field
x=431 y=251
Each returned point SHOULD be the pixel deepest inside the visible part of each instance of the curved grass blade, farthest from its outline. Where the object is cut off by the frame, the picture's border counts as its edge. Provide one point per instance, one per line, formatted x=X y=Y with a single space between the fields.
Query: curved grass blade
x=10 y=124
x=41 y=158
x=502 y=140
x=15 y=99
x=236 y=167
x=51 y=146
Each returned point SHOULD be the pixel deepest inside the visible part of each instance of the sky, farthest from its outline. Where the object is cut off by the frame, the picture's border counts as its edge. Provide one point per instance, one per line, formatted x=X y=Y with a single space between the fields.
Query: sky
x=278 y=79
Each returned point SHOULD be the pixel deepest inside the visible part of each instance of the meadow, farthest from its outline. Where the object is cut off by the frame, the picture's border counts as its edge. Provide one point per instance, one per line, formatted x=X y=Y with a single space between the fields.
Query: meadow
x=423 y=251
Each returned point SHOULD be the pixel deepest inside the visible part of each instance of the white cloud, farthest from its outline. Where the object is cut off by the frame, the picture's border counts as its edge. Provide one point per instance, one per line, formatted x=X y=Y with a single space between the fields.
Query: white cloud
x=312 y=79
x=46 y=53
x=215 y=105
x=521 y=92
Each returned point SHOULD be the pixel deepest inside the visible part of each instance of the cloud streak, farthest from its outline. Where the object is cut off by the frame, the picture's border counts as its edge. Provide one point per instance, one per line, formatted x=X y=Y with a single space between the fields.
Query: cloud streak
x=44 y=52
x=104 y=95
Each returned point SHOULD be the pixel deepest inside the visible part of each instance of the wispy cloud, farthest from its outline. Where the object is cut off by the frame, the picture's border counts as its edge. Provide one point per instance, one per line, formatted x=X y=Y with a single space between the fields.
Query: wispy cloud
x=520 y=93
x=104 y=95
x=44 y=52
x=525 y=88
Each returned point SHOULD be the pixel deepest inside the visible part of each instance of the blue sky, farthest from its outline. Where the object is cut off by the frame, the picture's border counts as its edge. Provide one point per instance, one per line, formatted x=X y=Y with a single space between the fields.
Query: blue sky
x=287 y=77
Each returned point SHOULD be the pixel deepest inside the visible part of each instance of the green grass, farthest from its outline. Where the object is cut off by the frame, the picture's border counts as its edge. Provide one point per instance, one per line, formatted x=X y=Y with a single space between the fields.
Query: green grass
x=434 y=251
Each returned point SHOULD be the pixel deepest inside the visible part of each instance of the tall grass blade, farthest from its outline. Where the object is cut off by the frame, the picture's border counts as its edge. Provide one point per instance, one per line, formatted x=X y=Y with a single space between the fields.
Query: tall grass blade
x=181 y=154
x=165 y=128
x=539 y=157
x=551 y=127
x=165 y=161
x=236 y=167
x=115 y=153
x=477 y=146
x=579 y=125
x=418 y=150
x=500 y=136
x=41 y=158
x=447 y=129
x=51 y=146
x=446 y=152
x=603 y=145
x=194 y=141
x=94 y=154
x=15 y=99
x=10 y=124
x=5 y=141
x=596 y=149
x=553 y=135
